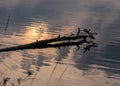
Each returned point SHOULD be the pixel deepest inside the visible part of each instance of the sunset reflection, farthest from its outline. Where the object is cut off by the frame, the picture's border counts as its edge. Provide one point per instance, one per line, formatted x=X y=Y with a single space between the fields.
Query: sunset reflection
x=35 y=20
x=35 y=31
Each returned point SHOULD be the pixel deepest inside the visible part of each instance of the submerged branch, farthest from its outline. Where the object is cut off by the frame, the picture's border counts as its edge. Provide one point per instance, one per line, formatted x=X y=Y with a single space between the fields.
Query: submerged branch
x=72 y=40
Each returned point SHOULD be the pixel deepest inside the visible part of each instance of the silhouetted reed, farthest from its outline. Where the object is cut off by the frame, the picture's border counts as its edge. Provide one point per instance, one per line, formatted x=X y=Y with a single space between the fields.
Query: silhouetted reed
x=61 y=75
x=7 y=23
x=53 y=71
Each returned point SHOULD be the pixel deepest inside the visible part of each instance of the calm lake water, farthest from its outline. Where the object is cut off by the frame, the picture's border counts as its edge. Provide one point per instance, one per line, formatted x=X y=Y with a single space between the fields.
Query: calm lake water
x=32 y=20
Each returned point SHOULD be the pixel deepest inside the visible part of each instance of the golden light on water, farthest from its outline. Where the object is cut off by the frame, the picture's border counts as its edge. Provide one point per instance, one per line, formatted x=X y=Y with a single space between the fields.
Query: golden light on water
x=36 y=31
x=33 y=33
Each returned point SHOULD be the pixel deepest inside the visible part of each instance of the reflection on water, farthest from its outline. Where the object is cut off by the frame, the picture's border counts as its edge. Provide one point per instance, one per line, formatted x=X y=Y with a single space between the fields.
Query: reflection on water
x=41 y=19
x=35 y=31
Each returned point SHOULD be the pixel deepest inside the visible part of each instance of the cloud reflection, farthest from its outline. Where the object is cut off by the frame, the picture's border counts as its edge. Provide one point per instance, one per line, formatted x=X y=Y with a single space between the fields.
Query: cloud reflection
x=64 y=16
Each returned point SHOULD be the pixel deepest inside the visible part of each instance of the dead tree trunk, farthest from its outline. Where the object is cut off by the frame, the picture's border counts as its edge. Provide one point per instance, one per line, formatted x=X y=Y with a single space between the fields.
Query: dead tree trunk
x=71 y=40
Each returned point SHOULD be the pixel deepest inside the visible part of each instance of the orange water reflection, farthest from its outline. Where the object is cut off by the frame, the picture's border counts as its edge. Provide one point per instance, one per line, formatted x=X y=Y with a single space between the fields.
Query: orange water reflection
x=35 y=31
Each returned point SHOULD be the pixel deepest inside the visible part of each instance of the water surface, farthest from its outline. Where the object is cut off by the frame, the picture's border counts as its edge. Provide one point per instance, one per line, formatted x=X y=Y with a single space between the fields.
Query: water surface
x=33 y=20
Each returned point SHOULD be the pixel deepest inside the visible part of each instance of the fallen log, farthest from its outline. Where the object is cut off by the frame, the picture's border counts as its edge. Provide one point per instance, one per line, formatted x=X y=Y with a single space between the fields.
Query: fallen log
x=48 y=43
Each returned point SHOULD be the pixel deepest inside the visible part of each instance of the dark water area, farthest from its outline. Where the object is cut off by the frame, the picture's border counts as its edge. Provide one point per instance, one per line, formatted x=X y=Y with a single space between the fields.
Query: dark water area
x=31 y=20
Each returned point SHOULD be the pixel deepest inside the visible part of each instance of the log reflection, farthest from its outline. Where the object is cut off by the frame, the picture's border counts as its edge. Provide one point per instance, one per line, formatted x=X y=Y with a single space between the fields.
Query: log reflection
x=57 y=43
